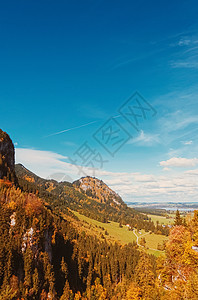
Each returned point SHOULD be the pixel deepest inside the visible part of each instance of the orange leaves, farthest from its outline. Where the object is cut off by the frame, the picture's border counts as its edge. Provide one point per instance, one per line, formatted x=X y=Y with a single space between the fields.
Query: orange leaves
x=190 y=256
x=176 y=245
x=33 y=205
x=177 y=272
x=12 y=197
x=5 y=183
x=133 y=292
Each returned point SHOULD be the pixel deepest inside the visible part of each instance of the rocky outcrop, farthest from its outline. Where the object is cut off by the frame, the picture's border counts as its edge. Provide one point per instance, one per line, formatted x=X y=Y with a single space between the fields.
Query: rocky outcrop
x=98 y=190
x=7 y=161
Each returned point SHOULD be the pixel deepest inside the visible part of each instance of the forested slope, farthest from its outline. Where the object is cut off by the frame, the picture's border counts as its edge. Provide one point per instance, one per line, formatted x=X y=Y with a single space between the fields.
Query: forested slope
x=97 y=201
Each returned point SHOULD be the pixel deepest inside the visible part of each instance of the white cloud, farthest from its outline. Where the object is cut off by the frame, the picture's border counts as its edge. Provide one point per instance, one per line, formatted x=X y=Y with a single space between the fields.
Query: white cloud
x=40 y=162
x=145 y=139
x=38 y=156
x=166 y=169
x=131 y=186
x=192 y=172
x=138 y=177
x=179 y=162
x=188 y=143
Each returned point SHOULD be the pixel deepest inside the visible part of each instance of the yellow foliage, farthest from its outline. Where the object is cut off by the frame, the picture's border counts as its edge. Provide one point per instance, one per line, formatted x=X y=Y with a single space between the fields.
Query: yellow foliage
x=133 y=292
x=77 y=296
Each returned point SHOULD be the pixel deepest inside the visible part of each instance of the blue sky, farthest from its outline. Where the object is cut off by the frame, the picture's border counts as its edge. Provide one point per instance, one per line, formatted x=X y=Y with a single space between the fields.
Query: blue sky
x=72 y=64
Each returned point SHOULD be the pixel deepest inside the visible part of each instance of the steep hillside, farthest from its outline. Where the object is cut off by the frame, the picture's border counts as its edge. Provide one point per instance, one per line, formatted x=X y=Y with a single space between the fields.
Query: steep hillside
x=65 y=196
x=42 y=256
x=92 y=187
x=99 y=191
x=23 y=174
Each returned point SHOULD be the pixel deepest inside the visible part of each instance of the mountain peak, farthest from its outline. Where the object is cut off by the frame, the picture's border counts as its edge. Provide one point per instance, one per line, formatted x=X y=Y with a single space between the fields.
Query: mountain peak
x=98 y=190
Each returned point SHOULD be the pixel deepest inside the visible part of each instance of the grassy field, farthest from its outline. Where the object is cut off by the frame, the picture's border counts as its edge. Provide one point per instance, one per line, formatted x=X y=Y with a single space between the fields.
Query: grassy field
x=112 y=232
x=162 y=220
x=122 y=235
x=152 y=240
x=155 y=252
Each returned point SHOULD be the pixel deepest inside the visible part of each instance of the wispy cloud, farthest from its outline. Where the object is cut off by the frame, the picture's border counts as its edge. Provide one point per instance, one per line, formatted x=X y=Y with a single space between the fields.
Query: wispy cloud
x=184 y=42
x=70 y=144
x=185 y=64
x=123 y=62
x=145 y=139
x=187 y=50
x=177 y=126
x=188 y=143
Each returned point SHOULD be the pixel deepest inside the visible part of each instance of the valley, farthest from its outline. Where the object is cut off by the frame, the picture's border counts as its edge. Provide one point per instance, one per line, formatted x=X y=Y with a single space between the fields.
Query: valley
x=80 y=241
x=112 y=232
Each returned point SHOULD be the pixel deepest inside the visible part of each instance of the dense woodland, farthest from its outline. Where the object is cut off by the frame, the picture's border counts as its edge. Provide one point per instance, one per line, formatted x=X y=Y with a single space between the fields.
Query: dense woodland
x=42 y=256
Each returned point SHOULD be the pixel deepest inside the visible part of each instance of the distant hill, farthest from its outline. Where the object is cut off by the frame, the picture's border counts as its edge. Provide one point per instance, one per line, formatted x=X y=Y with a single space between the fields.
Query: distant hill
x=91 y=187
x=89 y=196
x=99 y=191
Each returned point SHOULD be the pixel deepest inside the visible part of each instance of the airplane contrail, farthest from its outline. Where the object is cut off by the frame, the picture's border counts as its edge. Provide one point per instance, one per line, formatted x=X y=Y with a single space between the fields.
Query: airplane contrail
x=83 y=125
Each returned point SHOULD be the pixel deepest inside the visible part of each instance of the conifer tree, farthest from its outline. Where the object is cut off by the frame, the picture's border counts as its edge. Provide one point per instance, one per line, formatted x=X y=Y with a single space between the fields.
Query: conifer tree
x=28 y=267
x=35 y=279
x=178 y=219
x=144 y=276
x=67 y=293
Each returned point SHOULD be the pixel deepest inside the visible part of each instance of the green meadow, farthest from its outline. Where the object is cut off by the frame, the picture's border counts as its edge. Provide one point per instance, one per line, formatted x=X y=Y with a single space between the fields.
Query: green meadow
x=162 y=220
x=113 y=232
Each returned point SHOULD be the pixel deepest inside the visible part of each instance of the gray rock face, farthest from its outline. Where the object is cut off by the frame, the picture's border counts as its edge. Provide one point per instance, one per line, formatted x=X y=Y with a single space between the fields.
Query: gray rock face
x=7 y=161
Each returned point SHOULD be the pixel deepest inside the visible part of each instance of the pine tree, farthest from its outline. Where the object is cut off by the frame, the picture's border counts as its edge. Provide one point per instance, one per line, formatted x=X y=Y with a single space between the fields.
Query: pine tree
x=144 y=276
x=67 y=293
x=64 y=268
x=35 y=280
x=178 y=219
x=28 y=268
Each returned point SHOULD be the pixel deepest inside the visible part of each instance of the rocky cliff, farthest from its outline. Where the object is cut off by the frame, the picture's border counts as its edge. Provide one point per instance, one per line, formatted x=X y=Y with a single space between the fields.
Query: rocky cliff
x=7 y=161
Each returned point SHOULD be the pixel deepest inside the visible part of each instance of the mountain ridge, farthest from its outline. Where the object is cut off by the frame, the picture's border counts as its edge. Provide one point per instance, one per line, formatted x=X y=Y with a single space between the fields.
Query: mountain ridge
x=71 y=196
x=93 y=187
